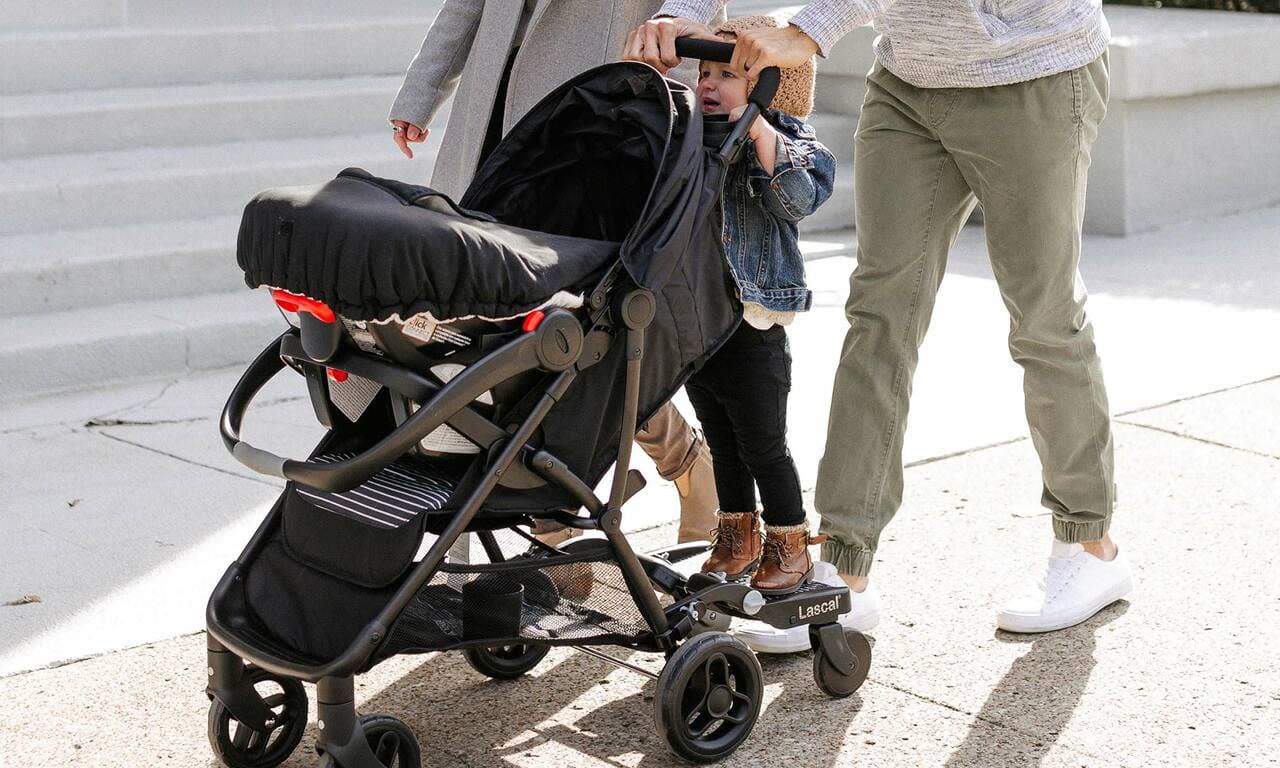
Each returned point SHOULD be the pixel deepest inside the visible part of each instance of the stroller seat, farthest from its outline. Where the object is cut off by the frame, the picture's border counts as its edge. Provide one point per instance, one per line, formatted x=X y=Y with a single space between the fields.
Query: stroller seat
x=374 y=249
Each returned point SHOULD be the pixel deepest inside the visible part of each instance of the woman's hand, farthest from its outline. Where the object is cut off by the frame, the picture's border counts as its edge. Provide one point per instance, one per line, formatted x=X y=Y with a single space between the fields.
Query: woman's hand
x=654 y=42
x=760 y=48
x=405 y=134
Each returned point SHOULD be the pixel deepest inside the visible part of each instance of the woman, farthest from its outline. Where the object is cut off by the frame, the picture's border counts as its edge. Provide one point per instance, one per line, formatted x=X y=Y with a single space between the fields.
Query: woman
x=498 y=58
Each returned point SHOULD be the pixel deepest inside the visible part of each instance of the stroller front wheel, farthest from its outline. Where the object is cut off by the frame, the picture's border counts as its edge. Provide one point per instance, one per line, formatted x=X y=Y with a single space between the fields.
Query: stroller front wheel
x=708 y=697
x=238 y=746
x=506 y=662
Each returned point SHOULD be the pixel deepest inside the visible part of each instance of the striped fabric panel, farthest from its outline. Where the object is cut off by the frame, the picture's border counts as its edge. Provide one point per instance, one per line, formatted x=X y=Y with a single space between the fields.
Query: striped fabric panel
x=392 y=498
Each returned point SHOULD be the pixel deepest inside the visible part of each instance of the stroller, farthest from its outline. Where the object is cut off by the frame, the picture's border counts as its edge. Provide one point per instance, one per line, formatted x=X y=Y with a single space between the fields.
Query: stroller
x=478 y=367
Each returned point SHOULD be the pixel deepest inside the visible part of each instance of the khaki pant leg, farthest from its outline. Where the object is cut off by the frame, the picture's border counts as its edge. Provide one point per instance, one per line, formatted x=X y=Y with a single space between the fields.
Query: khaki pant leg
x=911 y=201
x=1024 y=149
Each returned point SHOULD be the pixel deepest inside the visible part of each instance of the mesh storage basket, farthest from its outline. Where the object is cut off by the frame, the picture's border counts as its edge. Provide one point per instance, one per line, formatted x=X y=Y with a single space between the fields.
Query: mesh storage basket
x=554 y=599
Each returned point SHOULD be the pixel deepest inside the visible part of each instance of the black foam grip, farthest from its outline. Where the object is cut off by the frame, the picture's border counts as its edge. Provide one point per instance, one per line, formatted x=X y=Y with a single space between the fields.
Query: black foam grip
x=714 y=50
x=766 y=88
x=704 y=50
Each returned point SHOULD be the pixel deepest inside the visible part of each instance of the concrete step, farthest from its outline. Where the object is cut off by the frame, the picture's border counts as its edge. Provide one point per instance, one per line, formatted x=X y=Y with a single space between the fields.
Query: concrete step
x=53 y=352
x=840 y=94
x=80 y=60
x=58 y=271
x=837 y=212
x=183 y=115
x=31 y=14
x=835 y=131
x=76 y=191
x=194 y=13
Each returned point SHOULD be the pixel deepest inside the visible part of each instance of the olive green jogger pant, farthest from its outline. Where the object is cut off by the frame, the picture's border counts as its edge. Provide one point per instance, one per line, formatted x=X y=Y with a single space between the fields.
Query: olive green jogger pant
x=923 y=159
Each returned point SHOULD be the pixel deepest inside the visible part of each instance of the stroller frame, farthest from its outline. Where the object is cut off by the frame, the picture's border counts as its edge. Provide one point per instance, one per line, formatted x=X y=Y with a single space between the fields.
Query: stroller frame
x=690 y=631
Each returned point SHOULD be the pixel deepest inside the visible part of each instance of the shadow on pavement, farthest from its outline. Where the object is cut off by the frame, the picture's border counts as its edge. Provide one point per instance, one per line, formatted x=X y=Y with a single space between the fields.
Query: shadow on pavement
x=461 y=718
x=1046 y=684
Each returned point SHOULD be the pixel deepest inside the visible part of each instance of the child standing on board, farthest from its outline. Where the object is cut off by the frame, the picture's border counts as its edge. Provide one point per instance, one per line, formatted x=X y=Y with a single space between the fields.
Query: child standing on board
x=740 y=395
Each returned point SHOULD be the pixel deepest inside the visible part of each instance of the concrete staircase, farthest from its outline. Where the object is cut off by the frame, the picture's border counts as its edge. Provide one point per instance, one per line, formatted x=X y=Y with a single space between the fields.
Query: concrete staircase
x=132 y=132
x=131 y=135
x=837 y=105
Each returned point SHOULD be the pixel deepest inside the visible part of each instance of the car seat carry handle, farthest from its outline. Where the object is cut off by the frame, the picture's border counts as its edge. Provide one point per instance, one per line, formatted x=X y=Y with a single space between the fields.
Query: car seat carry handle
x=759 y=100
x=539 y=349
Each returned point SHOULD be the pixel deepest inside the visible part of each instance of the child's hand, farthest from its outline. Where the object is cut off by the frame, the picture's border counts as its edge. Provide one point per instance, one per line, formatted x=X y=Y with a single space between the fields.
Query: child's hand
x=405 y=134
x=760 y=129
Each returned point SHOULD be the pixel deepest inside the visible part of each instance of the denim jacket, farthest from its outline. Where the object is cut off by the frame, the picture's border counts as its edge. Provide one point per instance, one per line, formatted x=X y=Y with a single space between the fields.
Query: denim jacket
x=761 y=213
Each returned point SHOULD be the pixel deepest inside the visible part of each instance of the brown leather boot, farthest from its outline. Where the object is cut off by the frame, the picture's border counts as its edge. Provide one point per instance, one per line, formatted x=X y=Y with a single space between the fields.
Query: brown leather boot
x=737 y=545
x=785 y=564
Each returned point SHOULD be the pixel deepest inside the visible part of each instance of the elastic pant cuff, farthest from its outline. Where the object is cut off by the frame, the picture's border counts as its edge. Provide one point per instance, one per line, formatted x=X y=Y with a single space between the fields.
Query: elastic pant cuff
x=1074 y=533
x=853 y=561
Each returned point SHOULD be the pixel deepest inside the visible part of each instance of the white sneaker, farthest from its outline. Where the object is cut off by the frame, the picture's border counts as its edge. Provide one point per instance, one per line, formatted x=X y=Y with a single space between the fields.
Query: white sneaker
x=1075 y=586
x=766 y=638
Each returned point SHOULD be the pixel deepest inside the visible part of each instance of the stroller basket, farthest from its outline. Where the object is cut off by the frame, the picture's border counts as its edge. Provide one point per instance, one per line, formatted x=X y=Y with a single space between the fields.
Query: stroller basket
x=558 y=600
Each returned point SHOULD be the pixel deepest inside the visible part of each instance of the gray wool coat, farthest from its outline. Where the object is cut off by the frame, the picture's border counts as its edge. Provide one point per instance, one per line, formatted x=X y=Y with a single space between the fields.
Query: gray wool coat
x=467 y=47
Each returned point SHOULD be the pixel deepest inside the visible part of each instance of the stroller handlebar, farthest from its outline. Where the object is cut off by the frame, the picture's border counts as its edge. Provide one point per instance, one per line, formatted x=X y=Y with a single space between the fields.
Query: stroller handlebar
x=714 y=50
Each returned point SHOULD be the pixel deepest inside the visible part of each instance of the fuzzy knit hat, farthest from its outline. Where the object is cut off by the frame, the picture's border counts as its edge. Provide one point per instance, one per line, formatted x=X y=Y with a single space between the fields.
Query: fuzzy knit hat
x=795 y=90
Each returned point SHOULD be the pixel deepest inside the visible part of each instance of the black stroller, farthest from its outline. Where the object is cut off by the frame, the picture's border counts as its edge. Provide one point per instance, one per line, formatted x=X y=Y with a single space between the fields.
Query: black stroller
x=479 y=366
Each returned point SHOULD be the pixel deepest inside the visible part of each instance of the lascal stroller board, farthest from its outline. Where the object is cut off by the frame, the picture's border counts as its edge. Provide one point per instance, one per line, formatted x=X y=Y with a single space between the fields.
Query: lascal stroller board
x=479 y=367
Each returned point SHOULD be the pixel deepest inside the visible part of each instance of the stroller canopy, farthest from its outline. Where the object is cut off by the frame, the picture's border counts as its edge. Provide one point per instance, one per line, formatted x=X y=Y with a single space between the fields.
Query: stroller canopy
x=617 y=154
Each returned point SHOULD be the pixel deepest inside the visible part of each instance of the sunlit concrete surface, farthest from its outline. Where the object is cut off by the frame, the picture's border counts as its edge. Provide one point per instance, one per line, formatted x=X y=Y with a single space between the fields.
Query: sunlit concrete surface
x=121 y=508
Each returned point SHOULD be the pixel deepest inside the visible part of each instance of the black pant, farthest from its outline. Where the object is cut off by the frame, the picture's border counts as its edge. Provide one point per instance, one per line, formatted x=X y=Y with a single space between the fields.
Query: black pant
x=740 y=397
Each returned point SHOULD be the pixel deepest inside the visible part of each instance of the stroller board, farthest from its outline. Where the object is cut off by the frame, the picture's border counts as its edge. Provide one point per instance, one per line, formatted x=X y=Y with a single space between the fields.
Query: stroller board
x=479 y=367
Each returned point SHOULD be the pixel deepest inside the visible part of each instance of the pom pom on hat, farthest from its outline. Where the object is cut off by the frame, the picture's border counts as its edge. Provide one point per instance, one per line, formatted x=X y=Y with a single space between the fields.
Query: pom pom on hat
x=795 y=87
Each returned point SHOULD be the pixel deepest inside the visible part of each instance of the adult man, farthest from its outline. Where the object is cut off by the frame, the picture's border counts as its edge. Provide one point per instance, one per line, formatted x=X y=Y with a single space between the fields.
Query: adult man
x=997 y=102
x=501 y=57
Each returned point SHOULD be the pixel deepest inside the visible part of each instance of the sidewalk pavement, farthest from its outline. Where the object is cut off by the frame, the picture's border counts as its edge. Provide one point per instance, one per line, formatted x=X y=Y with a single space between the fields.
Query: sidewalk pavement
x=121 y=508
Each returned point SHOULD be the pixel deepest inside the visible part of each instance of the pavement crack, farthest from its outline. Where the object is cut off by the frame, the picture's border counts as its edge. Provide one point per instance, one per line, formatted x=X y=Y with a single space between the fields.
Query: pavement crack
x=1199 y=439
x=985 y=719
x=1189 y=398
x=185 y=460
x=964 y=452
x=99 y=422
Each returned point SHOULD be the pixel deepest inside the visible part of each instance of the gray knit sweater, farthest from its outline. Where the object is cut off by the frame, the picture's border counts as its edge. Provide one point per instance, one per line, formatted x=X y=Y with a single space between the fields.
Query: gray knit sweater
x=953 y=43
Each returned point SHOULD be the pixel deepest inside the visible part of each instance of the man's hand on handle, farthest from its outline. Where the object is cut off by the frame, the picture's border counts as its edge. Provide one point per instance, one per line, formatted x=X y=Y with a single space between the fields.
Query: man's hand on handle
x=654 y=42
x=405 y=134
x=759 y=49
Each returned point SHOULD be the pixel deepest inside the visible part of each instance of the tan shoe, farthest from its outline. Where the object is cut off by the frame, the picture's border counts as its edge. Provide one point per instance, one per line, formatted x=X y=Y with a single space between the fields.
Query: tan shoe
x=698 y=502
x=785 y=563
x=736 y=550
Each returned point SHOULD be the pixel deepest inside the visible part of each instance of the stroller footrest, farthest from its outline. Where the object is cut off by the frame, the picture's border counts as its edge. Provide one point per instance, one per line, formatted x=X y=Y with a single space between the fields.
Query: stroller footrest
x=813 y=603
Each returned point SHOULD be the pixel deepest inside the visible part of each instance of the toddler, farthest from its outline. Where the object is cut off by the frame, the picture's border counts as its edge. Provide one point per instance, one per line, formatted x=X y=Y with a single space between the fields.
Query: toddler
x=740 y=395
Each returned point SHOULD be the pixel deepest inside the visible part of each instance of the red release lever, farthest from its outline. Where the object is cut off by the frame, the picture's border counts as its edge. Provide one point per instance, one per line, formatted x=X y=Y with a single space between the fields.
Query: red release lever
x=533 y=320
x=292 y=302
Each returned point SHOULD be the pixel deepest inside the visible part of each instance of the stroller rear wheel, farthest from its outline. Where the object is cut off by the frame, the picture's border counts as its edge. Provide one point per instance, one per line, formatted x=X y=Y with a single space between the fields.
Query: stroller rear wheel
x=708 y=697
x=506 y=662
x=393 y=744
x=239 y=746
x=841 y=679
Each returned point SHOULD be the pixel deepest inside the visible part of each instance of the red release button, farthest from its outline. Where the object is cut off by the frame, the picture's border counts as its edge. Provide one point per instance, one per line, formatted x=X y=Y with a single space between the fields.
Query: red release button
x=533 y=320
x=292 y=302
